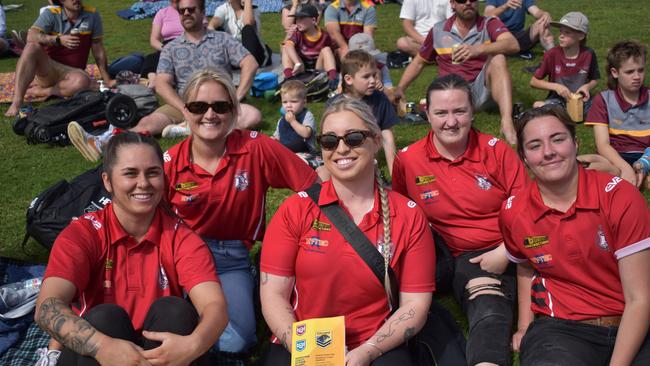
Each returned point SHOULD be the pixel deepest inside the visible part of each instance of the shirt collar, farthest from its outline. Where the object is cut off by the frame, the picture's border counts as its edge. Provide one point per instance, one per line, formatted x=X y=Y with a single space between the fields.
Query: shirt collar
x=234 y=146
x=328 y=196
x=478 y=25
x=209 y=34
x=625 y=106
x=117 y=233
x=472 y=152
x=585 y=198
x=357 y=6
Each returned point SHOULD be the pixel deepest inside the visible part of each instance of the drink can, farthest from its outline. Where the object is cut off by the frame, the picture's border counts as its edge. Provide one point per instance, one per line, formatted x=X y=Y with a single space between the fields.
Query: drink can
x=410 y=107
x=423 y=105
x=453 y=51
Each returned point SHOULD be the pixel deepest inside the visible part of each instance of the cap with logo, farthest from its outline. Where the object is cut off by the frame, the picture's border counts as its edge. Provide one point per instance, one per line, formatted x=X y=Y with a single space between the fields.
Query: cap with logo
x=306 y=11
x=574 y=20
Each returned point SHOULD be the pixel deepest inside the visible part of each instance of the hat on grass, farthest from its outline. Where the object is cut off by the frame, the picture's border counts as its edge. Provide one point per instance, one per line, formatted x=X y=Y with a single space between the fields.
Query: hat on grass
x=574 y=20
x=364 y=42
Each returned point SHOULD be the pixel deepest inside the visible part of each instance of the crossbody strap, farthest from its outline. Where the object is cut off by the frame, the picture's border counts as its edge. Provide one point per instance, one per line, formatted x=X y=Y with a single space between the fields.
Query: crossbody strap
x=353 y=235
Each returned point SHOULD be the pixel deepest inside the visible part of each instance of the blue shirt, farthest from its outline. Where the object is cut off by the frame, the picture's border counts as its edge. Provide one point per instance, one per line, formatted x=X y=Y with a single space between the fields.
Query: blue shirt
x=514 y=19
x=382 y=109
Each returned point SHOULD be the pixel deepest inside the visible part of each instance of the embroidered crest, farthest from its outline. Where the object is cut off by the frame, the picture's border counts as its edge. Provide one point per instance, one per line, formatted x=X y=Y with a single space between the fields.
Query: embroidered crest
x=241 y=181
x=601 y=240
x=533 y=242
x=424 y=179
x=482 y=182
x=321 y=226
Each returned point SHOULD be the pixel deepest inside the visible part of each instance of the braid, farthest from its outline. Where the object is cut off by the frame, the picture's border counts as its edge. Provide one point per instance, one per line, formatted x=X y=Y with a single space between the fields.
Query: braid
x=392 y=297
x=385 y=212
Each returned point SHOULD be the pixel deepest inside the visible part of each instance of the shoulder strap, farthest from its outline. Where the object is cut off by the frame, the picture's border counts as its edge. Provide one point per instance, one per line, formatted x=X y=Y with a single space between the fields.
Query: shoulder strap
x=352 y=234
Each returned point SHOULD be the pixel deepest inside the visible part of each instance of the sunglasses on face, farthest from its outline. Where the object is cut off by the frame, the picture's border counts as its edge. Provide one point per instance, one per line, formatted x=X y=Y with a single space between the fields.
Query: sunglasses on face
x=464 y=1
x=190 y=9
x=330 y=141
x=202 y=107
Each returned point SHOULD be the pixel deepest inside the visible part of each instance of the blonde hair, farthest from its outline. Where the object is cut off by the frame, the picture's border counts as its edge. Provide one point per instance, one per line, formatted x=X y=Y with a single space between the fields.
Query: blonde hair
x=363 y=111
x=209 y=75
x=294 y=88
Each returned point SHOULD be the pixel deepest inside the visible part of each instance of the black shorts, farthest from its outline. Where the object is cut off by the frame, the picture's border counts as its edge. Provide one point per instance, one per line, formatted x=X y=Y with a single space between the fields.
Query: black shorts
x=523 y=38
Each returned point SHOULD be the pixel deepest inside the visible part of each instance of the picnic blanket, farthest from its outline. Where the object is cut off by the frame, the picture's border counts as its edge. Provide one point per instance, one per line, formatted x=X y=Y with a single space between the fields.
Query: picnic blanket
x=147 y=9
x=7 y=83
x=24 y=336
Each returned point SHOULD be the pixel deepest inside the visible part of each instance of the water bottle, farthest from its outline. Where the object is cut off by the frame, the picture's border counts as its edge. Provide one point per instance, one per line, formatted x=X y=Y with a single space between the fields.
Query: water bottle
x=643 y=163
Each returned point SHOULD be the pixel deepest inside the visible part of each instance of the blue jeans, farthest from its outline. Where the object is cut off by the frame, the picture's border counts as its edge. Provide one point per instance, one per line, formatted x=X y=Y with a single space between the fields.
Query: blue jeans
x=234 y=270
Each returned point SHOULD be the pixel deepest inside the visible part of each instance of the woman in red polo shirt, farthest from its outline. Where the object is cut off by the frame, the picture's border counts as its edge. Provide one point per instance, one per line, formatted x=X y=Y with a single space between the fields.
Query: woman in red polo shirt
x=460 y=177
x=580 y=238
x=126 y=268
x=218 y=179
x=309 y=270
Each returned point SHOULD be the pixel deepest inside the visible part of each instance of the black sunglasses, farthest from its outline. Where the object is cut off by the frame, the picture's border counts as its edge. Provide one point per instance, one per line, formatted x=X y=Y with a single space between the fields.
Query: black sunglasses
x=202 y=107
x=190 y=9
x=464 y=1
x=330 y=141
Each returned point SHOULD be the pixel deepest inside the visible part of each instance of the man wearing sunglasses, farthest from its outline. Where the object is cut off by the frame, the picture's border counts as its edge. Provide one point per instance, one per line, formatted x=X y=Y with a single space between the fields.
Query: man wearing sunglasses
x=473 y=47
x=196 y=49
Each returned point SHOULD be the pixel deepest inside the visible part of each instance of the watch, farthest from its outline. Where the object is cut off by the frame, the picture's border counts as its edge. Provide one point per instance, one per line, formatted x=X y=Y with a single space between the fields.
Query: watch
x=58 y=40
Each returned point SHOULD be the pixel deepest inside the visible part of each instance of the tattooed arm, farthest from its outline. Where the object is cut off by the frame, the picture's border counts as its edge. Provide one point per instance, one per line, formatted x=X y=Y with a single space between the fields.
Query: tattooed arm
x=53 y=314
x=275 y=292
x=402 y=325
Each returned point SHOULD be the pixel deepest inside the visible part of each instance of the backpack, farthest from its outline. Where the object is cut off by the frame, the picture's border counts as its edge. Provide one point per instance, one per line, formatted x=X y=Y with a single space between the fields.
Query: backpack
x=440 y=342
x=144 y=98
x=264 y=81
x=316 y=83
x=53 y=209
x=93 y=110
x=398 y=60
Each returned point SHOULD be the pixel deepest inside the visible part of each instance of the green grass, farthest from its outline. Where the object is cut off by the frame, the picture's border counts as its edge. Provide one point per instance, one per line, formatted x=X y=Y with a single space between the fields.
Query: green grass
x=28 y=169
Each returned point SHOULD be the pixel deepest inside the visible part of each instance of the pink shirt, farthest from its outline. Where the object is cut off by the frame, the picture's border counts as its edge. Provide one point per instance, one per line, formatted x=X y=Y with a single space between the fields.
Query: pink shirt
x=170 y=22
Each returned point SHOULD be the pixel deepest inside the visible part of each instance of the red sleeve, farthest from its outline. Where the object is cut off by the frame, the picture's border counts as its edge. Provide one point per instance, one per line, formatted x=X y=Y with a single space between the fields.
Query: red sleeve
x=506 y=217
x=419 y=261
x=281 y=241
x=427 y=51
x=629 y=219
x=283 y=168
x=295 y=38
x=398 y=183
x=193 y=260
x=545 y=66
x=328 y=40
x=495 y=28
x=598 y=112
x=75 y=253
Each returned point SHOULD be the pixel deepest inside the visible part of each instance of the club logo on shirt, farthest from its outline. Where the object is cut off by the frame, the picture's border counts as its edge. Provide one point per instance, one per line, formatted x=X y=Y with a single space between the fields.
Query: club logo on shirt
x=321 y=226
x=618 y=121
x=429 y=196
x=482 y=182
x=612 y=184
x=166 y=157
x=533 y=242
x=163 y=281
x=301 y=344
x=254 y=134
x=186 y=186
x=493 y=141
x=301 y=329
x=542 y=260
x=601 y=240
x=421 y=180
x=96 y=224
x=509 y=202
x=241 y=181
x=323 y=338
x=189 y=198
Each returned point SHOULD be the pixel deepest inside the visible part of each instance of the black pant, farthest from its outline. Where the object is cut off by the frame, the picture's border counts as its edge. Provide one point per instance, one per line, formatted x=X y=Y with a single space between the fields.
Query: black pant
x=167 y=314
x=254 y=45
x=552 y=341
x=279 y=356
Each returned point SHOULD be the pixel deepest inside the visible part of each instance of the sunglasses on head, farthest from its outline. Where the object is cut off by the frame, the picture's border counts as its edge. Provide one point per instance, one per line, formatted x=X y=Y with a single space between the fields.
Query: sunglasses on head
x=464 y=1
x=202 y=107
x=330 y=141
x=190 y=9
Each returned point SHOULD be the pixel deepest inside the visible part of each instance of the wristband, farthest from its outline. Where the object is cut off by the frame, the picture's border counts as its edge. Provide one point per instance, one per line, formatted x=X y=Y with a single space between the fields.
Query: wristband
x=57 y=40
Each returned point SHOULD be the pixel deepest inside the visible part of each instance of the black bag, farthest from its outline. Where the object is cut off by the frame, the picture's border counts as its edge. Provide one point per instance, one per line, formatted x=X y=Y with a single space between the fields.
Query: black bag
x=93 y=110
x=398 y=60
x=144 y=98
x=53 y=209
x=316 y=83
x=445 y=265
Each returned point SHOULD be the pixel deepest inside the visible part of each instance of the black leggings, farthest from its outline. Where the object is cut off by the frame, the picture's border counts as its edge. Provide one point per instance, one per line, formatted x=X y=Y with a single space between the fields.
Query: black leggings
x=279 y=356
x=167 y=314
x=254 y=45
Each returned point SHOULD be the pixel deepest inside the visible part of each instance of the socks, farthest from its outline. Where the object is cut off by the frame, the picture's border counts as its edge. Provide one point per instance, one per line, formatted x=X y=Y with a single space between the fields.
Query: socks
x=288 y=72
x=332 y=74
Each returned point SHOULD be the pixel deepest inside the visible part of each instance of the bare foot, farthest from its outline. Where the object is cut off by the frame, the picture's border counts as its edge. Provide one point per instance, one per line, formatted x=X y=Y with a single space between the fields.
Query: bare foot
x=36 y=91
x=13 y=110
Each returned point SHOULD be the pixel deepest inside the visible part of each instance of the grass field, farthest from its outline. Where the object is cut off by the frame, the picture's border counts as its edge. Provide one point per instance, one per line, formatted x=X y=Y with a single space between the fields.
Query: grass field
x=28 y=169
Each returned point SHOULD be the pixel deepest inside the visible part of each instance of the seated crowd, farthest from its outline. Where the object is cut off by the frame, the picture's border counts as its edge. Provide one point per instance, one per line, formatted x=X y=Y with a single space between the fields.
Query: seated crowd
x=163 y=275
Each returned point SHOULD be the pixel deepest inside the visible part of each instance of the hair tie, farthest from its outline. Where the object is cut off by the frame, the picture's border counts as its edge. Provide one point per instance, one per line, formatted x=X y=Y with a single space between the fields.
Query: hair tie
x=117 y=131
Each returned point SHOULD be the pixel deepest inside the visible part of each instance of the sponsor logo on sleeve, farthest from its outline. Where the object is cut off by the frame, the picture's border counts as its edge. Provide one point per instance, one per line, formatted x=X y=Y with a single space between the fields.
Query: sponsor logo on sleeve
x=533 y=242
x=493 y=141
x=421 y=180
x=509 y=202
x=254 y=134
x=166 y=157
x=186 y=186
x=429 y=196
x=612 y=184
x=542 y=260
x=321 y=226
x=411 y=204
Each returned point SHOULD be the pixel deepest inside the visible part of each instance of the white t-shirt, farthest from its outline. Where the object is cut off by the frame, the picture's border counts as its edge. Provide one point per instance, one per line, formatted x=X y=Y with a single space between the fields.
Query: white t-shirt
x=233 y=25
x=425 y=13
x=3 y=22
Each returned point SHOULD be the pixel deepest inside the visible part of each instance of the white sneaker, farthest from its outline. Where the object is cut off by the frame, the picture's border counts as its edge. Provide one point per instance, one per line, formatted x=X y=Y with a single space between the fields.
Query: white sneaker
x=47 y=357
x=84 y=142
x=173 y=130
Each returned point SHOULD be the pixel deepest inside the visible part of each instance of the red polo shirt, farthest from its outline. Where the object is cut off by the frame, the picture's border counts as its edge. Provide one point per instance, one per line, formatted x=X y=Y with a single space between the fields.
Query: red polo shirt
x=310 y=48
x=461 y=198
x=331 y=278
x=438 y=45
x=229 y=204
x=169 y=259
x=575 y=254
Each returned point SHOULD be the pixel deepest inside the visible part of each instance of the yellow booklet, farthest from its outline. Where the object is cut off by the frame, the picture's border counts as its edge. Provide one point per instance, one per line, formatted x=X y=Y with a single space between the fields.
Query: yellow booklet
x=318 y=342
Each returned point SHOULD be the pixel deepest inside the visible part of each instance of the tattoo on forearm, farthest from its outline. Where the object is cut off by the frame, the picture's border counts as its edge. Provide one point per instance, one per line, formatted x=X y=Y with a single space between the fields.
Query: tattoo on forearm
x=409 y=333
x=66 y=327
x=402 y=318
x=283 y=337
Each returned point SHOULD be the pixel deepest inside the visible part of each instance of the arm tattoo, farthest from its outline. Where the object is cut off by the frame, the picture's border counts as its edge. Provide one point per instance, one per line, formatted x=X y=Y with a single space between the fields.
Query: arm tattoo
x=65 y=326
x=402 y=318
x=409 y=333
